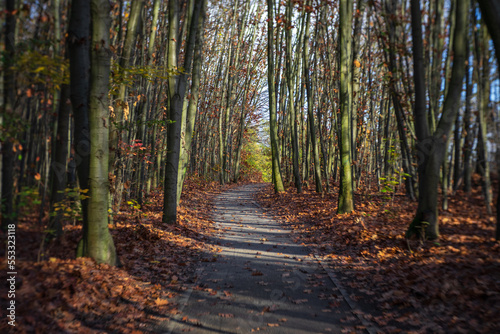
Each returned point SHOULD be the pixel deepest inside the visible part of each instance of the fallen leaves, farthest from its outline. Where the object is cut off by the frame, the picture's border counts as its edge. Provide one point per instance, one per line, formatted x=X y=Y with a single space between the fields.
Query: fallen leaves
x=453 y=284
x=161 y=302
x=80 y=296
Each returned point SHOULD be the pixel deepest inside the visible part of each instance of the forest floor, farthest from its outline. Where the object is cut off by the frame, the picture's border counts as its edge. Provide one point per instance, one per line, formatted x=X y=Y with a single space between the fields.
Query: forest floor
x=61 y=294
x=448 y=287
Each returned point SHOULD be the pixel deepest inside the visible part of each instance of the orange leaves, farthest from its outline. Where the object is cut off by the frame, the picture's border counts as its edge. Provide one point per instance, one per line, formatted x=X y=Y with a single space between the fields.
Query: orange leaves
x=161 y=302
x=69 y=294
x=368 y=249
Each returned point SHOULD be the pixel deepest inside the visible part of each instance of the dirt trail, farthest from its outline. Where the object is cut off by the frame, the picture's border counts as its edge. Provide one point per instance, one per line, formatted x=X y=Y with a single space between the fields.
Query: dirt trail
x=261 y=281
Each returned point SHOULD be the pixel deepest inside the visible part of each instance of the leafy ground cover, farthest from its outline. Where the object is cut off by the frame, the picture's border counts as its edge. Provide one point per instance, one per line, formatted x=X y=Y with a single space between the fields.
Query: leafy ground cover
x=63 y=294
x=448 y=287
x=452 y=286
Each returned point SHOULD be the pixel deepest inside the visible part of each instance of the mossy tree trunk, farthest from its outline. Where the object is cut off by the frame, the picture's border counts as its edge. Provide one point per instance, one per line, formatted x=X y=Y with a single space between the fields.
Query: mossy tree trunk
x=346 y=201
x=97 y=242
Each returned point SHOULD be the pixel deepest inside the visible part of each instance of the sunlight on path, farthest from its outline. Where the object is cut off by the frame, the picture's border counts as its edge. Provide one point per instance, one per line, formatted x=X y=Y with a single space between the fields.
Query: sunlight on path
x=261 y=281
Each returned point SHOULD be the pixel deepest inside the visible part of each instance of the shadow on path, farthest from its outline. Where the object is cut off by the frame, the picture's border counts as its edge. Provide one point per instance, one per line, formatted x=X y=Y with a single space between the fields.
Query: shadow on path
x=261 y=281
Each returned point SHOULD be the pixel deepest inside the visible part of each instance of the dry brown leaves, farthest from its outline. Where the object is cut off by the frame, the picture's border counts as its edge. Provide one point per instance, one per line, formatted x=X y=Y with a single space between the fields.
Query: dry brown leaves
x=446 y=287
x=63 y=294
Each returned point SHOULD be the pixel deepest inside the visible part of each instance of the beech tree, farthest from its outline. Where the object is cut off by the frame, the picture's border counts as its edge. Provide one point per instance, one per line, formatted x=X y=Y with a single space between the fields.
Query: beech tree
x=97 y=242
x=346 y=201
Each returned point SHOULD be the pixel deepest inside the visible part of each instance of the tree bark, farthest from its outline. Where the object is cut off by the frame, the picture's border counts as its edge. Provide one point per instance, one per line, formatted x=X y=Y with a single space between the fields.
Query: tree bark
x=79 y=67
x=174 y=117
x=97 y=242
x=9 y=95
x=431 y=148
x=490 y=9
x=346 y=201
x=276 y=170
x=310 y=106
x=291 y=99
x=187 y=134
x=59 y=163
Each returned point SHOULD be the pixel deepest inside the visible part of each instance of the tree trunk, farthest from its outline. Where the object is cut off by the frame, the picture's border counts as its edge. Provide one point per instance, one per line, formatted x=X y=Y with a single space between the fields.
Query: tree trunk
x=9 y=95
x=490 y=9
x=276 y=170
x=431 y=148
x=174 y=117
x=310 y=107
x=346 y=202
x=59 y=163
x=291 y=99
x=97 y=242
x=468 y=129
x=190 y=118
x=79 y=66
x=483 y=55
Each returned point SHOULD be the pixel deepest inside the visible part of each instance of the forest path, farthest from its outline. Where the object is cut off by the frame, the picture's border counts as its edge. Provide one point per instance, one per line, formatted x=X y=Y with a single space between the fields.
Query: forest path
x=261 y=281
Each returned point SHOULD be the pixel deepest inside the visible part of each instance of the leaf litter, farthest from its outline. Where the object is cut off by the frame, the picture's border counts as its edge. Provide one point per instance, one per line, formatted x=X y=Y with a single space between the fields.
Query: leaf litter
x=450 y=286
x=63 y=294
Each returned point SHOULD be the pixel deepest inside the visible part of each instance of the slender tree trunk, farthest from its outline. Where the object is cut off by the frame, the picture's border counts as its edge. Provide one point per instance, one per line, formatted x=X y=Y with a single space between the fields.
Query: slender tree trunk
x=79 y=68
x=9 y=96
x=310 y=107
x=291 y=99
x=175 y=117
x=121 y=111
x=490 y=9
x=276 y=170
x=177 y=90
x=187 y=135
x=431 y=148
x=346 y=202
x=483 y=55
x=356 y=74
x=468 y=130
x=59 y=163
x=457 y=138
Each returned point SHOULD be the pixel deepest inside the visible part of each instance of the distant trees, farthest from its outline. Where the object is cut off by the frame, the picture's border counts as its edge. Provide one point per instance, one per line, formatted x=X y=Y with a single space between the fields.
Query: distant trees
x=342 y=94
